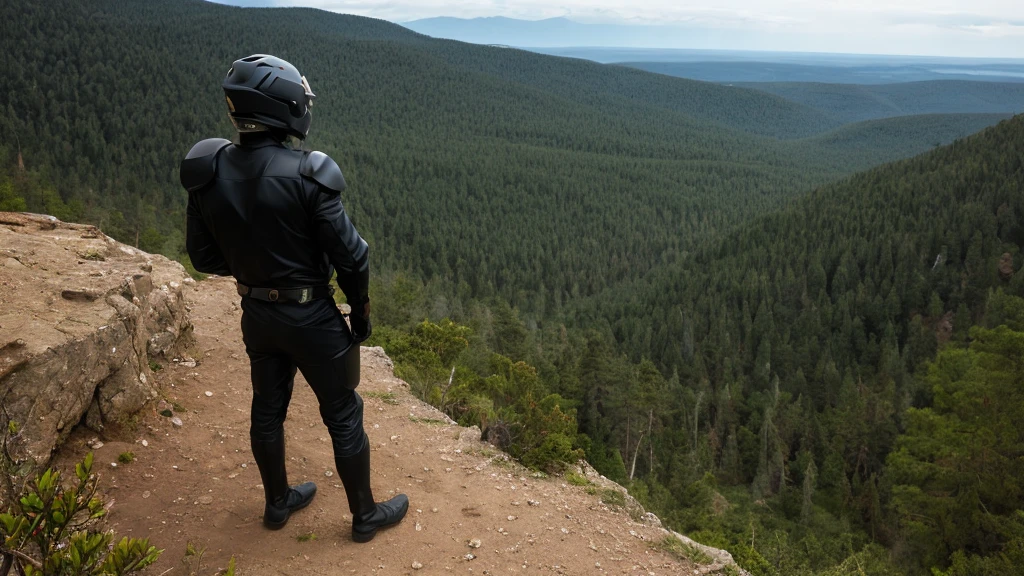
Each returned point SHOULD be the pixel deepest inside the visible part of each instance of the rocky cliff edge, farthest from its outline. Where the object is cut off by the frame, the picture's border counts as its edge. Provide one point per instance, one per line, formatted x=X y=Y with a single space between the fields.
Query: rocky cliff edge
x=81 y=319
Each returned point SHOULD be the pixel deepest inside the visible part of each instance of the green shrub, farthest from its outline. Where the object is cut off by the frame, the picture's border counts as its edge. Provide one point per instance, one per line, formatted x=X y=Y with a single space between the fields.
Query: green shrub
x=52 y=531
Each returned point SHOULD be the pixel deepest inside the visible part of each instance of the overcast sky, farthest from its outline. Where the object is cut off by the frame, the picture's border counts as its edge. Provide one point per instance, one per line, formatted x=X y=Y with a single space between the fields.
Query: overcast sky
x=993 y=28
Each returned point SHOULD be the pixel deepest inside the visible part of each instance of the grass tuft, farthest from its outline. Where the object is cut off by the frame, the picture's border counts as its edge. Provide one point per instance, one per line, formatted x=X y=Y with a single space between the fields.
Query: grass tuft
x=613 y=497
x=576 y=479
x=385 y=397
x=682 y=551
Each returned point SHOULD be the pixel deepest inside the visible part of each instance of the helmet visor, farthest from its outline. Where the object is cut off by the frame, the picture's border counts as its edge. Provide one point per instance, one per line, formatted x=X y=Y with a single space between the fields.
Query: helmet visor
x=309 y=92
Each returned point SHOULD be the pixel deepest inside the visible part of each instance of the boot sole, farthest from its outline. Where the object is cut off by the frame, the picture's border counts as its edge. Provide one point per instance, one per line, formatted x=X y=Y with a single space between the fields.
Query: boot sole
x=278 y=525
x=364 y=537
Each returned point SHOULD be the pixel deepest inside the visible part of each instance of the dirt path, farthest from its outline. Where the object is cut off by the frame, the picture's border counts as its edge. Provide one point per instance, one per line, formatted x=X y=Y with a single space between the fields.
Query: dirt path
x=197 y=483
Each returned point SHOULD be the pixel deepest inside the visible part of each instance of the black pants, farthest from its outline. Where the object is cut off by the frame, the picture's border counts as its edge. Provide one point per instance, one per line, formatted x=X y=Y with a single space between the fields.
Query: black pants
x=313 y=338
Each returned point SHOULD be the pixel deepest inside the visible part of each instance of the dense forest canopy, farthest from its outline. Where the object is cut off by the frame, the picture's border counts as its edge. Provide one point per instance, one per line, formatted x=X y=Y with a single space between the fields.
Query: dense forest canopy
x=572 y=174
x=857 y=102
x=694 y=286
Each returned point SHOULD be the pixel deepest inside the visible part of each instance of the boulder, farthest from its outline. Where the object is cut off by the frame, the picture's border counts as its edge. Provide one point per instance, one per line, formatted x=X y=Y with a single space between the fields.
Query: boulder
x=81 y=317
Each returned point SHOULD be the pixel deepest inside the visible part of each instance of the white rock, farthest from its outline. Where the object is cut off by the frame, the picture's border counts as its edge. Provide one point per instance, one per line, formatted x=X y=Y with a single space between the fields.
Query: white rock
x=417 y=565
x=177 y=422
x=475 y=543
x=208 y=393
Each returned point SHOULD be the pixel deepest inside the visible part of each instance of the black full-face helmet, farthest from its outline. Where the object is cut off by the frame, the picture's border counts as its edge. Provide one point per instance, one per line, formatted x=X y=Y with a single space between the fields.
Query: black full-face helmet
x=266 y=92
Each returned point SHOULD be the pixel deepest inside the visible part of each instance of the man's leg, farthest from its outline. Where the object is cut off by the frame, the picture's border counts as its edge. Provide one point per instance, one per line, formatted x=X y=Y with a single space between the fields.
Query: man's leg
x=341 y=409
x=273 y=378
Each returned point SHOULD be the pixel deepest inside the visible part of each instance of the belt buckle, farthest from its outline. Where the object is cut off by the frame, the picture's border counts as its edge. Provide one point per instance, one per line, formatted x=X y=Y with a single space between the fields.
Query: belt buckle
x=273 y=295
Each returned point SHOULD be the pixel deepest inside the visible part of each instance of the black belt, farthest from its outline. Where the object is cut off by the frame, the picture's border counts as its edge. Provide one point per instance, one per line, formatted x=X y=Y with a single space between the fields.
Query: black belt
x=298 y=295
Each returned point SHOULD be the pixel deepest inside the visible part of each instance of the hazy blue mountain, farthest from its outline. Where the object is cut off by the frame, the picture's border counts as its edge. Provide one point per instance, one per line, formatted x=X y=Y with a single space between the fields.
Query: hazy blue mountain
x=500 y=30
x=783 y=67
x=562 y=32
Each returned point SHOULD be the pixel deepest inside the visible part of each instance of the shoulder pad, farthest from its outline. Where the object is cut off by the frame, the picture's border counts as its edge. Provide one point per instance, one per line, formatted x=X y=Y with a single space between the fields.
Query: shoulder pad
x=320 y=168
x=198 y=167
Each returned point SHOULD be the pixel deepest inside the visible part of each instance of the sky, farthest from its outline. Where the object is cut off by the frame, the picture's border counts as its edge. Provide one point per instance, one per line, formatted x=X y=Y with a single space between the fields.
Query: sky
x=977 y=28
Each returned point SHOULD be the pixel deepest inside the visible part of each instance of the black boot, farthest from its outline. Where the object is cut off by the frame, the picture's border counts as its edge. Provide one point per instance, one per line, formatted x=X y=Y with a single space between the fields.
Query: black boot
x=367 y=515
x=282 y=499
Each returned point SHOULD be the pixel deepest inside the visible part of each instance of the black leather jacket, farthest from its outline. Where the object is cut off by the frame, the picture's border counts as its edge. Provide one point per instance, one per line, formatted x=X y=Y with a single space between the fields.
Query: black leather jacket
x=271 y=217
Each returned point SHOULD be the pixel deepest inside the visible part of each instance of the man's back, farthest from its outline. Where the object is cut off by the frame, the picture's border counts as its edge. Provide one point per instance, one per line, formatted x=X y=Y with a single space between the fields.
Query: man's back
x=269 y=215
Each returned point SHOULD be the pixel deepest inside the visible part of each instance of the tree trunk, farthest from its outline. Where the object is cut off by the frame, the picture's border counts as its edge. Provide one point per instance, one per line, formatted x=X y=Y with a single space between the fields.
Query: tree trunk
x=632 y=469
x=650 y=439
x=444 y=393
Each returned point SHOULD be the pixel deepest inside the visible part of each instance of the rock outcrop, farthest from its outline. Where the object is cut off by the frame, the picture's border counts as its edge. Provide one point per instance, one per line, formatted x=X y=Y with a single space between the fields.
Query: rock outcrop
x=81 y=319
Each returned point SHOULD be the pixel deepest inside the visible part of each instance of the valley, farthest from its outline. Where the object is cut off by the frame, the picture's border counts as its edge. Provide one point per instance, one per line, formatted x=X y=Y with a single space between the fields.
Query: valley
x=742 y=295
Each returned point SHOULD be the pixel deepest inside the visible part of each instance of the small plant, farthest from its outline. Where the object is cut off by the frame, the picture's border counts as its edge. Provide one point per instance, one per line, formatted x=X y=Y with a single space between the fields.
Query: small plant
x=126 y=457
x=155 y=366
x=433 y=421
x=93 y=255
x=385 y=397
x=683 y=551
x=129 y=423
x=192 y=561
x=307 y=537
x=576 y=479
x=13 y=427
x=52 y=530
x=613 y=497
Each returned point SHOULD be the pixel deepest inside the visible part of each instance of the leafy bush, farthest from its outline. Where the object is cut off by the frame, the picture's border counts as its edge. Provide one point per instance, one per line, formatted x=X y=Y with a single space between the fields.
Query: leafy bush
x=52 y=531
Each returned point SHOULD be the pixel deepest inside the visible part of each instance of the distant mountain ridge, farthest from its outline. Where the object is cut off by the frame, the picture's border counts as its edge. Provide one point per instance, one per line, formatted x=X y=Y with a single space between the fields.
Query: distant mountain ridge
x=502 y=30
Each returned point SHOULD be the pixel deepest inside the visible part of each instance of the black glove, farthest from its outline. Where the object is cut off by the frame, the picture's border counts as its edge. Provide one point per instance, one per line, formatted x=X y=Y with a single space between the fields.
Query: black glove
x=359 y=319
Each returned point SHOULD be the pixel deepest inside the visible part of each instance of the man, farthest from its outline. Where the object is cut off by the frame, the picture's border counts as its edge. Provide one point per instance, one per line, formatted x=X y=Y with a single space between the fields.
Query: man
x=271 y=216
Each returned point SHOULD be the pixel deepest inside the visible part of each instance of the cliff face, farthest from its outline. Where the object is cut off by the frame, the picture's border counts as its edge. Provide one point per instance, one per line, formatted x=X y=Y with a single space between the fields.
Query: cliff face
x=81 y=319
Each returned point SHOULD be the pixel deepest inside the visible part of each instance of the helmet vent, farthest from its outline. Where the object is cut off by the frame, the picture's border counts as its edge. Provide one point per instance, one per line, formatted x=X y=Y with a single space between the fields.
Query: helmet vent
x=252 y=59
x=262 y=80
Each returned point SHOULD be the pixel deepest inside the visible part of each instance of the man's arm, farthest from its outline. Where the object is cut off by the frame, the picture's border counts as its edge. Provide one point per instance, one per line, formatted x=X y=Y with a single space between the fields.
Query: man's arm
x=199 y=242
x=345 y=249
x=196 y=172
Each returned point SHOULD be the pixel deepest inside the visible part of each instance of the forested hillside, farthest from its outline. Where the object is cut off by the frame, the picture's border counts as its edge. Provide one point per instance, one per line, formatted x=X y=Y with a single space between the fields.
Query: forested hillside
x=856 y=102
x=792 y=347
x=572 y=175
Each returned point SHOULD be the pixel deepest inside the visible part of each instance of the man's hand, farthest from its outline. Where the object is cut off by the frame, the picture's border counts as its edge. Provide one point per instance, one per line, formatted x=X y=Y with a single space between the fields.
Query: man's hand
x=359 y=318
